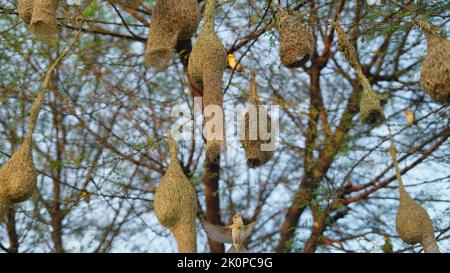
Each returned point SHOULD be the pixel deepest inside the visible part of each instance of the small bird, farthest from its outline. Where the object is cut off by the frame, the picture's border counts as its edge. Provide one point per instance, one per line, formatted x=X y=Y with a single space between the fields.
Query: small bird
x=409 y=116
x=233 y=64
x=234 y=234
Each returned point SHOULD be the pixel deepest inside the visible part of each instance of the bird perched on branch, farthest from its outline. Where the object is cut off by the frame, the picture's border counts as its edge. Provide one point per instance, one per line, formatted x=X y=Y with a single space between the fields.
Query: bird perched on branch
x=234 y=234
x=233 y=63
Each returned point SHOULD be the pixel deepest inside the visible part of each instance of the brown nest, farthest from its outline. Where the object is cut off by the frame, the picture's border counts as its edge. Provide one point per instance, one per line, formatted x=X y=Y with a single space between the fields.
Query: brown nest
x=413 y=224
x=370 y=105
x=25 y=8
x=251 y=139
x=18 y=175
x=296 y=43
x=435 y=74
x=207 y=62
x=18 y=178
x=43 y=19
x=172 y=20
x=175 y=204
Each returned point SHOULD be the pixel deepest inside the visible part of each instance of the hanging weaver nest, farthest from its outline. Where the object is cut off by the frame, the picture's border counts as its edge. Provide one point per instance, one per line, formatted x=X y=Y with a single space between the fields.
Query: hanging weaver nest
x=296 y=43
x=370 y=105
x=435 y=75
x=207 y=62
x=172 y=20
x=413 y=224
x=18 y=175
x=18 y=178
x=43 y=19
x=25 y=8
x=175 y=203
x=255 y=153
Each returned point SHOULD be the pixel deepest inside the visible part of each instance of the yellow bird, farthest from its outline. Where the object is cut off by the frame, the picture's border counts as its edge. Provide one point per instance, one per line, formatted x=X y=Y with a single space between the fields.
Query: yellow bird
x=86 y=196
x=234 y=234
x=233 y=64
x=409 y=116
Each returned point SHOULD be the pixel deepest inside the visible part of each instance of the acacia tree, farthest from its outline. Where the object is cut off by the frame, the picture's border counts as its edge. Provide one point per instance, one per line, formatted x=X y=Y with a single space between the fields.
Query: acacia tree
x=100 y=146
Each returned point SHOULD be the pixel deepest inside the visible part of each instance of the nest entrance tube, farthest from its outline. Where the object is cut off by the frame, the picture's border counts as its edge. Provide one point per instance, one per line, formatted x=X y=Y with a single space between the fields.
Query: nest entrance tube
x=296 y=43
x=207 y=62
x=43 y=19
x=435 y=74
x=172 y=20
x=370 y=105
x=413 y=224
x=258 y=150
x=175 y=203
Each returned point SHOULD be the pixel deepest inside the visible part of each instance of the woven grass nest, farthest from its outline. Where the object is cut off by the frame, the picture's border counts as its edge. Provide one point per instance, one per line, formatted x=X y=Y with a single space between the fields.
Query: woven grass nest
x=371 y=103
x=175 y=204
x=18 y=176
x=413 y=224
x=255 y=154
x=207 y=62
x=40 y=16
x=435 y=74
x=296 y=42
x=25 y=9
x=172 y=20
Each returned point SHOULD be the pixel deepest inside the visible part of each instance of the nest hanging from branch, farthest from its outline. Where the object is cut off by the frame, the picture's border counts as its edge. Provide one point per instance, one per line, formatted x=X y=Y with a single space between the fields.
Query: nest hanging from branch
x=43 y=19
x=370 y=105
x=435 y=74
x=258 y=149
x=25 y=9
x=172 y=20
x=175 y=203
x=207 y=62
x=296 y=42
x=18 y=175
x=413 y=224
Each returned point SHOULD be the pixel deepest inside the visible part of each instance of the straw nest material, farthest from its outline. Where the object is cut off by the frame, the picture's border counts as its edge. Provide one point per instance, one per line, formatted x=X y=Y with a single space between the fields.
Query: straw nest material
x=18 y=175
x=176 y=204
x=370 y=105
x=413 y=224
x=172 y=20
x=435 y=75
x=296 y=42
x=207 y=62
x=25 y=8
x=251 y=139
x=43 y=19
